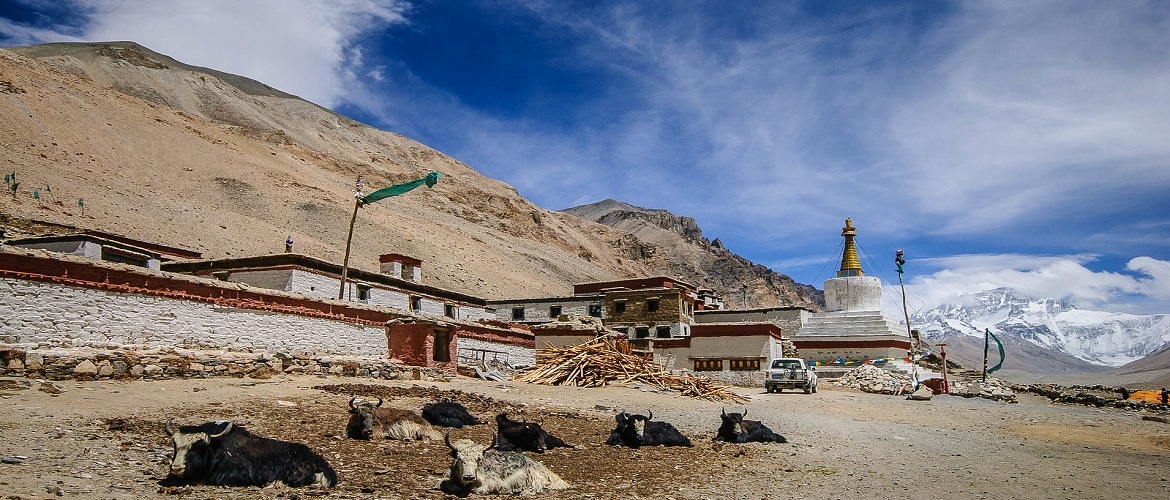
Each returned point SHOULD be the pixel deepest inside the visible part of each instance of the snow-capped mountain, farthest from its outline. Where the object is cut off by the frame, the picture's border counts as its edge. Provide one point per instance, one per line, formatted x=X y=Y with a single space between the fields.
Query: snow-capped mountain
x=1100 y=338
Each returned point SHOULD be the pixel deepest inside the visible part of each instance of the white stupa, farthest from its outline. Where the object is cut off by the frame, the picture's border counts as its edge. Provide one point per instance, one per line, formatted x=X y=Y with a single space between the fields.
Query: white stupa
x=852 y=326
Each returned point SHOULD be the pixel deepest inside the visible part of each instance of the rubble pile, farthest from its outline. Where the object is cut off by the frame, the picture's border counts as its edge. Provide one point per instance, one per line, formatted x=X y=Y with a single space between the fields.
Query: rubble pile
x=869 y=378
x=994 y=389
x=609 y=359
x=1097 y=395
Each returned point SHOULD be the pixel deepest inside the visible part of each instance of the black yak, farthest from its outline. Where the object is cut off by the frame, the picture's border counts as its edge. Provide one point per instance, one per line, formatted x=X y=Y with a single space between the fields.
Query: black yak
x=224 y=454
x=737 y=430
x=640 y=430
x=447 y=413
x=527 y=436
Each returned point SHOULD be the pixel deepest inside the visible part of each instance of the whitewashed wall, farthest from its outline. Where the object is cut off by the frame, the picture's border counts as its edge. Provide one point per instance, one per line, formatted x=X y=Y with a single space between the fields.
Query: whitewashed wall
x=55 y=315
x=538 y=311
x=316 y=285
x=517 y=355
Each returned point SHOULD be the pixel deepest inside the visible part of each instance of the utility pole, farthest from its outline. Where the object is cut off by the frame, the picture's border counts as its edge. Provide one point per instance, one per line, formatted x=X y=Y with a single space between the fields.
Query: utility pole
x=745 y=306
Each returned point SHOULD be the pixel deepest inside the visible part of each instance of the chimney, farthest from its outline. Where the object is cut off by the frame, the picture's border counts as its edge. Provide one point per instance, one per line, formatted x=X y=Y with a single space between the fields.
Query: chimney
x=400 y=266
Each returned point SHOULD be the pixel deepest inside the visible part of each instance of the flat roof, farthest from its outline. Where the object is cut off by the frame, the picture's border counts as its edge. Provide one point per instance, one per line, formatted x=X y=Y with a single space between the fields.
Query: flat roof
x=147 y=247
x=307 y=262
x=633 y=284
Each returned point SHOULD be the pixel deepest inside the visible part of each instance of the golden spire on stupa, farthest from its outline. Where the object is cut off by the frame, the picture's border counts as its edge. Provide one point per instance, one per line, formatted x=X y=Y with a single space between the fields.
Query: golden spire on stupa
x=850 y=264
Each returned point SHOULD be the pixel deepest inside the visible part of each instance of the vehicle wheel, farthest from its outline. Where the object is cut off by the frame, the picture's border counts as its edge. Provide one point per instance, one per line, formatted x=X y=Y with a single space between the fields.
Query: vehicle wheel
x=779 y=389
x=808 y=389
x=768 y=388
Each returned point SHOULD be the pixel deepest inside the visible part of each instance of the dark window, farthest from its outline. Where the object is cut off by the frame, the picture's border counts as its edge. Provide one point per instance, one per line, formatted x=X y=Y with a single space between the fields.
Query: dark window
x=652 y=305
x=619 y=307
x=662 y=332
x=708 y=365
x=518 y=313
x=625 y=330
x=595 y=310
x=363 y=293
x=554 y=311
x=449 y=310
x=641 y=332
x=743 y=365
x=415 y=304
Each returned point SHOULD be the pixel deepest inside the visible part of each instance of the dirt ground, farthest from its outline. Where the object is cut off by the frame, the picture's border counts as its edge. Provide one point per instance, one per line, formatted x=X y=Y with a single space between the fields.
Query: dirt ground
x=105 y=440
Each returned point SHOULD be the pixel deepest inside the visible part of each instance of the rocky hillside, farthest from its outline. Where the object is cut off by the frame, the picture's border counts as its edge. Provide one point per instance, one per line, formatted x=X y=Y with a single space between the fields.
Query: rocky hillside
x=221 y=164
x=699 y=260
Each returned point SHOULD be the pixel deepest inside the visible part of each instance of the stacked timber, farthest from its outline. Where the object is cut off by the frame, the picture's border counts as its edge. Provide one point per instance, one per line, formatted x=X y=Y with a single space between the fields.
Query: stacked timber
x=609 y=359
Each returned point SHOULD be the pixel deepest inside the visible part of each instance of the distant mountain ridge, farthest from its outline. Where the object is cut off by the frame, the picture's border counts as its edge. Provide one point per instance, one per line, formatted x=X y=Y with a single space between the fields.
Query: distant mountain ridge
x=1098 y=338
x=693 y=257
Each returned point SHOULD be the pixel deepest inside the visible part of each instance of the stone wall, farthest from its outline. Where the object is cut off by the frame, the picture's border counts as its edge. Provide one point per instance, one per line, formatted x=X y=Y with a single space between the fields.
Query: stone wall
x=138 y=364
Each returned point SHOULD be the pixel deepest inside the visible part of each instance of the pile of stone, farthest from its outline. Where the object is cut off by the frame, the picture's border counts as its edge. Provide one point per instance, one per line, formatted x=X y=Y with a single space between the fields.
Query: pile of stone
x=1092 y=395
x=993 y=388
x=869 y=378
x=134 y=364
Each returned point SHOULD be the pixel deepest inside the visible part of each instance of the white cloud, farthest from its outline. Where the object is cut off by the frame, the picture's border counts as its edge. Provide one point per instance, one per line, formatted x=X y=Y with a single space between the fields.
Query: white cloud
x=1038 y=107
x=303 y=47
x=1144 y=289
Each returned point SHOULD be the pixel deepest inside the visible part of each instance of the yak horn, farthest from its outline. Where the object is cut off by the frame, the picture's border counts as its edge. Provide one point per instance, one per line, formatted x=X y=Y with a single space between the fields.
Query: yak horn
x=495 y=441
x=447 y=439
x=744 y=412
x=225 y=430
x=725 y=411
x=351 y=401
x=379 y=405
x=167 y=428
x=651 y=417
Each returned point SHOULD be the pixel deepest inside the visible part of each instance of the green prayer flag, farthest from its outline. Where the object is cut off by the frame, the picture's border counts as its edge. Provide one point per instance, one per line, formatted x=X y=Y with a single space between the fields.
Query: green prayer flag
x=7 y=178
x=81 y=202
x=36 y=194
x=1001 y=352
x=398 y=189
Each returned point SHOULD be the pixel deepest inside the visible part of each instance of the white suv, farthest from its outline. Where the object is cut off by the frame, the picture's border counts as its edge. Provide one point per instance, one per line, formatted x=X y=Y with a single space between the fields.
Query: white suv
x=790 y=373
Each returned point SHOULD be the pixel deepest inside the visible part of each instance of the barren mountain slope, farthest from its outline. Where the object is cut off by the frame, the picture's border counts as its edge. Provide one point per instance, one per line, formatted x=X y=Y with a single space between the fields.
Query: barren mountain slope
x=163 y=153
x=701 y=261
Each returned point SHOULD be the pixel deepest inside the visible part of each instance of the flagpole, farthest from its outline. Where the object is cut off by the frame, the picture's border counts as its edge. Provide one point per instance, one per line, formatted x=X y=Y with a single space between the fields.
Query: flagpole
x=899 y=259
x=986 y=332
x=362 y=199
x=357 y=203
x=348 y=240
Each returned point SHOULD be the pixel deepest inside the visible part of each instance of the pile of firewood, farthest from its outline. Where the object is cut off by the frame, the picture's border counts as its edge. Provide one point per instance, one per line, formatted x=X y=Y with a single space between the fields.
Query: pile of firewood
x=606 y=360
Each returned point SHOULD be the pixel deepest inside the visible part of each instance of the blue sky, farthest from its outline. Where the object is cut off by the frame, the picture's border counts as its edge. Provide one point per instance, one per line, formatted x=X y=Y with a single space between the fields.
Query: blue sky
x=1020 y=144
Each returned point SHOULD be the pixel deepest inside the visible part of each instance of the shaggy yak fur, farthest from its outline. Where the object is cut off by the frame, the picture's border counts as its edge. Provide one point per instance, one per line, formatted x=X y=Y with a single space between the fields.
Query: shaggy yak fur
x=737 y=430
x=368 y=420
x=223 y=454
x=639 y=430
x=484 y=470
